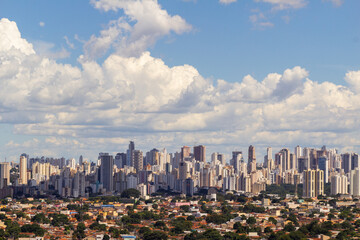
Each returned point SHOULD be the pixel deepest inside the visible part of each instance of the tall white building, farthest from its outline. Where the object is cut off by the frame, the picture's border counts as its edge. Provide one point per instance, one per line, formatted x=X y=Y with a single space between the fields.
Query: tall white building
x=297 y=152
x=339 y=184
x=355 y=182
x=4 y=174
x=23 y=170
x=313 y=183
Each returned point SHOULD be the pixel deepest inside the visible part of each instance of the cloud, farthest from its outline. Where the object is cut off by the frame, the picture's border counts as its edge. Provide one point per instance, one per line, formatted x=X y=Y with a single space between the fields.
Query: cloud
x=285 y=4
x=96 y=107
x=144 y=23
x=336 y=3
x=227 y=1
x=259 y=20
x=47 y=49
x=41 y=24
x=70 y=44
x=353 y=79
x=10 y=39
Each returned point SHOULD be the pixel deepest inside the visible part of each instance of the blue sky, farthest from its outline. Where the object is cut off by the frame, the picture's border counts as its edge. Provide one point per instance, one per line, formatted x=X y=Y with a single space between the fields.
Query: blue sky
x=194 y=45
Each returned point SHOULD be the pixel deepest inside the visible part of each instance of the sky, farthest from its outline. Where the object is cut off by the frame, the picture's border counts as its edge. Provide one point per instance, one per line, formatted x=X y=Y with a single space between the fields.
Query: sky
x=83 y=77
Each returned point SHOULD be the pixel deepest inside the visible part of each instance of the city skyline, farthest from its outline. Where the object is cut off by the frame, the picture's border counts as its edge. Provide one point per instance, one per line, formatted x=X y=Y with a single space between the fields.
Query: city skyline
x=79 y=78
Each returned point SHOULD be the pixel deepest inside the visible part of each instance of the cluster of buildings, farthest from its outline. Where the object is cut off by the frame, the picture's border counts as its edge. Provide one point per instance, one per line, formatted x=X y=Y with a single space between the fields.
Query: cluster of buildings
x=186 y=172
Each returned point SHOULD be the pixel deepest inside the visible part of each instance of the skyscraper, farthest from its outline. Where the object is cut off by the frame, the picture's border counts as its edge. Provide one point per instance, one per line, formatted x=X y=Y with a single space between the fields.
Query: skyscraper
x=346 y=162
x=339 y=184
x=355 y=182
x=236 y=159
x=23 y=170
x=324 y=165
x=4 y=174
x=130 y=155
x=313 y=183
x=200 y=153
x=251 y=159
x=106 y=171
x=185 y=152
x=268 y=157
x=138 y=160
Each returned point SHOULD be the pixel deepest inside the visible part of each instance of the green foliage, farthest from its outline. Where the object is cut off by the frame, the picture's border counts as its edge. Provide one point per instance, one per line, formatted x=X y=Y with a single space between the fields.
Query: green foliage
x=79 y=233
x=97 y=226
x=129 y=193
x=234 y=236
x=180 y=225
x=208 y=234
x=240 y=228
x=272 y=220
x=20 y=214
x=40 y=218
x=249 y=208
x=33 y=228
x=218 y=218
x=114 y=232
x=251 y=220
x=292 y=217
x=283 y=189
x=185 y=208
x=289 y=227
x=12 y=229
x=268 y=230
x=160 y=225
x=155 y=235
x=211 y=234
x=314 y=228
x=59 y=219
x=143 y=230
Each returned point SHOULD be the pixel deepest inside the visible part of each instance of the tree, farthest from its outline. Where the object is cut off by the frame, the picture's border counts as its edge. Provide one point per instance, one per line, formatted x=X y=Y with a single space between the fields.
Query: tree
x=12 y=228
x=106 y=237
x=185 y=208
x=59 y=219
x=289 y=227
x=79 y=233
x=98 y=226
x=272 y=220
x=129 y=193
x=33 y=228
x=40 y=218
x=211 y=234
x=251 y=220
x=234 y=236
x=181 y=225
x=155 y=235
x=160 y=224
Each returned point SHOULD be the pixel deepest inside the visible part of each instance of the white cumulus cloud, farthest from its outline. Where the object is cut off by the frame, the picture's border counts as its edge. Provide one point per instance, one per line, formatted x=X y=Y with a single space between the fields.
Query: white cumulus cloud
x=144 y=24
x=99 y=106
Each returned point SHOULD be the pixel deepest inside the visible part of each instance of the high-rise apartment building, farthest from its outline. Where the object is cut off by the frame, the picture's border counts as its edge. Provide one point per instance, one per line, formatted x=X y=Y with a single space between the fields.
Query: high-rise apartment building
x=339 y=184
x=138 y=160
x=236 y=160
x=355 y=182
x=251 y=159
x=323 y=162
x=107 y=171
x=185 y=152
x=23 y=170
x=4 y=174
x=130 y=155
x=313 y=183
x=200 y=153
